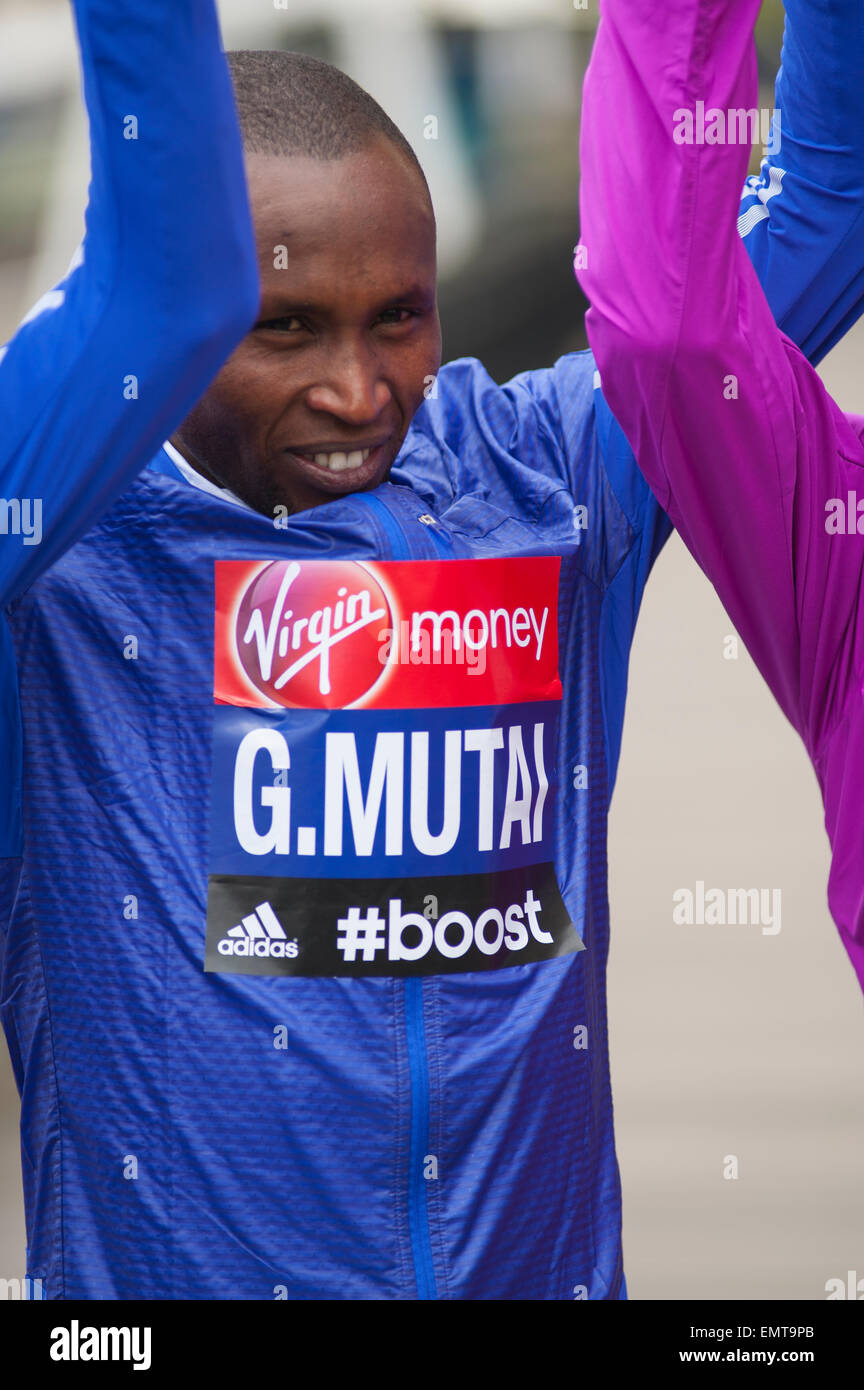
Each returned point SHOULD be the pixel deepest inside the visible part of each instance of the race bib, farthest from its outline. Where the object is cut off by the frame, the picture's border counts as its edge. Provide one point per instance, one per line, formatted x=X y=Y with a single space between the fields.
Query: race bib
x=384 y=768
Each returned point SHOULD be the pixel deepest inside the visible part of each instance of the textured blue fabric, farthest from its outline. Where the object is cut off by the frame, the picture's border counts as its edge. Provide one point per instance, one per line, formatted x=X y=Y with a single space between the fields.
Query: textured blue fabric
x=806 y=201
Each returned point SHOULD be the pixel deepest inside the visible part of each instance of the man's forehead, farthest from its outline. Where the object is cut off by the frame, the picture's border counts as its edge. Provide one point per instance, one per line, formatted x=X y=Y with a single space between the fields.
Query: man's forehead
x=376 y=177
x=309 y=284
x=355 y=219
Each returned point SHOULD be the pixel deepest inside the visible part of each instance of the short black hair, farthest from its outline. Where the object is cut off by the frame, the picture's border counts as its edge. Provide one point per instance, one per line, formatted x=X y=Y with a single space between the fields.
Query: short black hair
x=292 y=104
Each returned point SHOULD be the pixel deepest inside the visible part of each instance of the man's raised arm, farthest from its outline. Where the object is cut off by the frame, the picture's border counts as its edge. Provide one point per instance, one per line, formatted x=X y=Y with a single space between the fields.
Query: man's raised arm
x=164 y=288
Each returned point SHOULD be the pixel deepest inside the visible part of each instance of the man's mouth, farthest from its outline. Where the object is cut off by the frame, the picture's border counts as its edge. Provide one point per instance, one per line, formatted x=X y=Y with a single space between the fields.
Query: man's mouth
x=337 y=468
x=336 y=461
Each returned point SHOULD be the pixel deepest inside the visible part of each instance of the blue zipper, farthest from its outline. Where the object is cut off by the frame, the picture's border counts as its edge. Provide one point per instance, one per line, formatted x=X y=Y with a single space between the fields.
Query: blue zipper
x=415 y=1031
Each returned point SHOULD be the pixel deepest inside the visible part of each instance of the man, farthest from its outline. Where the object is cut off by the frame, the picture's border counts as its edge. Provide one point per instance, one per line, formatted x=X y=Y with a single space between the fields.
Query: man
x=314 y=872
x=756 y=465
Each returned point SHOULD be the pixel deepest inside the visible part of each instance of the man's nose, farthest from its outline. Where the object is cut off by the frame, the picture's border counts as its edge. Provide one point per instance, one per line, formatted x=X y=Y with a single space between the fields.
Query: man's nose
x=352 y=388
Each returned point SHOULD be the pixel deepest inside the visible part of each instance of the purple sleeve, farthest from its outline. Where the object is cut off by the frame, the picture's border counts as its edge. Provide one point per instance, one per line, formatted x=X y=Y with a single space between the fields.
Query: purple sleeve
x=732 y=428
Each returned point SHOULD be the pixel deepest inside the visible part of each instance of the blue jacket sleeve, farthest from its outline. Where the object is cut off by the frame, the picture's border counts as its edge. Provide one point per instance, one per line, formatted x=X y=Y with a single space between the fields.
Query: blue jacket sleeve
x=802 y=217
x=164 y=286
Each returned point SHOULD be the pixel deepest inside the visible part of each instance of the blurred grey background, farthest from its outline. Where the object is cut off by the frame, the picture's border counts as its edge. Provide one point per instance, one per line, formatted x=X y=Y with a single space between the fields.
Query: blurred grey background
x=725 y=1041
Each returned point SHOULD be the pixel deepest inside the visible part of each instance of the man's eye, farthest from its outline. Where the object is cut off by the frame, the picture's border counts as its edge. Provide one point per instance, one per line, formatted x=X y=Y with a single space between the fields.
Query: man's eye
x=289 y=323
x=391 y=316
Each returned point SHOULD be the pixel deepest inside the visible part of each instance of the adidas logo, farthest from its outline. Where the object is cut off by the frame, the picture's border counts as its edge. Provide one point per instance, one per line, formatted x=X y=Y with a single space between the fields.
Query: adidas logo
x=259 y=934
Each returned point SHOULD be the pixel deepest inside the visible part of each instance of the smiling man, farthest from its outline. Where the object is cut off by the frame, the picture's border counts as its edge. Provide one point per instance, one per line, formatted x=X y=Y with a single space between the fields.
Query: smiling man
x=305 y=971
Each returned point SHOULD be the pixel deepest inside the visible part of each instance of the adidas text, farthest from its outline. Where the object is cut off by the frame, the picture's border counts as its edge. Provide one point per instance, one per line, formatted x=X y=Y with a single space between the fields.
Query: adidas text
x=259 y=934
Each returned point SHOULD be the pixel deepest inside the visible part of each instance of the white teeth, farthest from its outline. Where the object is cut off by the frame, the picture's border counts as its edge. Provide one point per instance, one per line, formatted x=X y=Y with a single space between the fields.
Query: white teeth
x=338 y=462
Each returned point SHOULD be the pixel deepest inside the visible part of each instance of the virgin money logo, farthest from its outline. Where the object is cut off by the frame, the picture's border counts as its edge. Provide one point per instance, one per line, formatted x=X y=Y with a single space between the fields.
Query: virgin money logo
x=420 y=634
x=307 y=636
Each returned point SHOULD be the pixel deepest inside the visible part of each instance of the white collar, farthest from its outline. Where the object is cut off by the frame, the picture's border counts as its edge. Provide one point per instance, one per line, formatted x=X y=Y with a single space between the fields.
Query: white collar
x=198 y=480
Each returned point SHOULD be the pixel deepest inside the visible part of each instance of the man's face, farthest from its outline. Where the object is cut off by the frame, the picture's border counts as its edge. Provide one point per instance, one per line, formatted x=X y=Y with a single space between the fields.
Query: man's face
x=317 y=399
